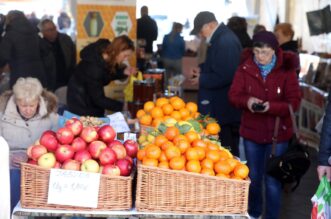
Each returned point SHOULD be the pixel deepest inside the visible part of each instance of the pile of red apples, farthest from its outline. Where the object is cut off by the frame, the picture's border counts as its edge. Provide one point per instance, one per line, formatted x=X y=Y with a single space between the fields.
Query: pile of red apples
x=90 y=149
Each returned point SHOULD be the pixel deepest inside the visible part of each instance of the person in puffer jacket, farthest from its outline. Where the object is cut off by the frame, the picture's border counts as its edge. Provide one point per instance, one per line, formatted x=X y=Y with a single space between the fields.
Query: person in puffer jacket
x=266 y=76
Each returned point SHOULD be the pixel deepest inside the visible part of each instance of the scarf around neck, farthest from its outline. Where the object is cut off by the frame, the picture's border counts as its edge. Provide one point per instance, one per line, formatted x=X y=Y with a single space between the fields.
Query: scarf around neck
x=266 y=69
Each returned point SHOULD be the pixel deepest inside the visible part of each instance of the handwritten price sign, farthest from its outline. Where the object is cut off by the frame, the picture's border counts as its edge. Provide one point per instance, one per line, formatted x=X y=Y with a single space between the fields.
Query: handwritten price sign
x=75 y=188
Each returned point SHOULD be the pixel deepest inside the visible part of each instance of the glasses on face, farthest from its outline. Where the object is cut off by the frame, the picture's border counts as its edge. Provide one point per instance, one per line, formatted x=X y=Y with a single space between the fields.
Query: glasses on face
x=262 y=52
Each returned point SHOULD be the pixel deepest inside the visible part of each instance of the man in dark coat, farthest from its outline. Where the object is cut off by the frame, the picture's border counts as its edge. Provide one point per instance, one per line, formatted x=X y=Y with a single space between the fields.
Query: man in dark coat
x=215 y=76
x=146 y=29
x=21 y=48
x=63 y=50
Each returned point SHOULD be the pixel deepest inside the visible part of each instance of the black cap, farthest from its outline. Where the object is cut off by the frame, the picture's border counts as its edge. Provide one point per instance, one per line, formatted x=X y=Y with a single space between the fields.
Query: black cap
x=201 y=19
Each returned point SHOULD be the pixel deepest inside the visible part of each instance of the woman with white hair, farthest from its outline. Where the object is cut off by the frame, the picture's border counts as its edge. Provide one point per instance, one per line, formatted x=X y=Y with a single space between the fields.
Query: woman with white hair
x=25 y=113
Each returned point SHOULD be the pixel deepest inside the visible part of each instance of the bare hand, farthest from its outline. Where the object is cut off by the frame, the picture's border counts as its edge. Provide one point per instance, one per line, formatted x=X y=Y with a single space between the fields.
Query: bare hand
x=195 y=75
x=18 y=158
x=130 y=71
x=253 y=100
x=324 y=170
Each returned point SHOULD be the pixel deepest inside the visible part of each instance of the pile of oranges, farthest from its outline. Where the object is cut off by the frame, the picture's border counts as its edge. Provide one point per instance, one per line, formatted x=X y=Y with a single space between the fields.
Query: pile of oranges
x=163 y=108
x=188 y=152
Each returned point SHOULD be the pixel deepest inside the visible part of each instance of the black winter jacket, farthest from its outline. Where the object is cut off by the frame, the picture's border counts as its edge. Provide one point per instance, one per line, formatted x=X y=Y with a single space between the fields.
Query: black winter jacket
x=21 y=49
x=85 y=94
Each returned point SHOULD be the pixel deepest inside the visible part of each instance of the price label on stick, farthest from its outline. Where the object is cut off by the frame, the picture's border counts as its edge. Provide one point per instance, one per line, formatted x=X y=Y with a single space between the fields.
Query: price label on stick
x=117 y=121
x=131 y=136
x=76 y=188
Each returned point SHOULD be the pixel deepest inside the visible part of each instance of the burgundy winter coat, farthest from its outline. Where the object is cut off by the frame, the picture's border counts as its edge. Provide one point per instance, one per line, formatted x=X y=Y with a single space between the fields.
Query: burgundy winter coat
x=280 y=88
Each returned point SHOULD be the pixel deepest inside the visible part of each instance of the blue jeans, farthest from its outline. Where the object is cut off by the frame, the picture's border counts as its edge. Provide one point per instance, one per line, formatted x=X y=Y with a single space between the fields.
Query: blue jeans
x=257 y=156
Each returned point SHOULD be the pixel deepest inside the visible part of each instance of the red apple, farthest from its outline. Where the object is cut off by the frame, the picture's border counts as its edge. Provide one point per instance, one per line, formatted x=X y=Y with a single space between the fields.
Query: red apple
x=131 y=148
x=107 y=156
x=48 y=139
x=111 y=170
x=125 y=167
x=107 y=133
x=28 y=151
x=119 y=149
x=89 y=134
x=37 y=151
x=57 y=165
x=83 y=155
x=75 y=125
x=90 y=166
x=47 y=160
x=65 y=135
x=78 y=144
x=30 y=161
x=95 y=148
x=71 y=165
x=129 y=159
x=64 y=152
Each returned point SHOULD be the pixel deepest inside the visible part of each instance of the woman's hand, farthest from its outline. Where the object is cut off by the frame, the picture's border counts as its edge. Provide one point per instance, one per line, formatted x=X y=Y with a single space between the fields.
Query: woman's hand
x=254 y=100
x=17 y=158
x=130 y=71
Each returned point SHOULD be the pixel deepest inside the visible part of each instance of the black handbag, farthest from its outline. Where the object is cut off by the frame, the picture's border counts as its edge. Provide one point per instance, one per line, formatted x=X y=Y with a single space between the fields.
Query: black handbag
x=294 y=163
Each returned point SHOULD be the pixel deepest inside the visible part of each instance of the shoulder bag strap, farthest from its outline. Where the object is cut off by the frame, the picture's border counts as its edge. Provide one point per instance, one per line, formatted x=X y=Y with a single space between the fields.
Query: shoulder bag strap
x=294 y=124
x=274 y=138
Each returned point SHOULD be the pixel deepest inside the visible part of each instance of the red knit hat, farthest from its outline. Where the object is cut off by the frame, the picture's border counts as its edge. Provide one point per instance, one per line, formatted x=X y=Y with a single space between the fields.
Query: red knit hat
x=266 y=37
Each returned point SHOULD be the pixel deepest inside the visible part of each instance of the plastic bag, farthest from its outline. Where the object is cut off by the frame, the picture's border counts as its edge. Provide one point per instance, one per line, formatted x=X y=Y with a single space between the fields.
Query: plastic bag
x=128 y=90
x=322 y=201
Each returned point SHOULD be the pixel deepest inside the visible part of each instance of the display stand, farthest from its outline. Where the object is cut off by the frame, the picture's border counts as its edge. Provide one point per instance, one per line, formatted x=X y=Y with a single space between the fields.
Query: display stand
x=20 y=213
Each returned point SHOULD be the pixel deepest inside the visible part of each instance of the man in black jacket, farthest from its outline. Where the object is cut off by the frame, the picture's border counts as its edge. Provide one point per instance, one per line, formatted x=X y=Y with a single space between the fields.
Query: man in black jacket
x=146 y=29
x=63 y=49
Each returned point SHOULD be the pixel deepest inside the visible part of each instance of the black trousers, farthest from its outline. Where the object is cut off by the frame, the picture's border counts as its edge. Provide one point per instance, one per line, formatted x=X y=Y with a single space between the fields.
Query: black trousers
x=229 y=137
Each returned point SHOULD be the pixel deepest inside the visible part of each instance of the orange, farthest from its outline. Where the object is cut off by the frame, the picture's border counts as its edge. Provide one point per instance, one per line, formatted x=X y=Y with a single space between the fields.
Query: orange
x=183 y=145
x=166 y=144
x=213 y=128
x=222 y=175
x=159 y=140
x=241 y=171
x=223 y=154
x=201 y=152
x=146 y=120
x=232 y=162
x=164 y=164
x=193 y=166
x=213 y=146
x=192 y=107
x=191 y=136
x=161 y=101
x=192 y=154
x=196 y=115
x=148 y=106
x=176 y=115
x=150 y=162
x=140 y=113
x=199 y=143
x=167 y=109
x=178 y=138
x=207 y=163
x=178 y=104
x=141 y=154
x=172 y=151
x=163 y=157
x=184 y=113
x=156 y=122
x=207 y=171
x=156 y=112
x=174 y=98
x=153 y=152
x=177 y=163
x=213 y=155
x=171 y=133
x=222 y=166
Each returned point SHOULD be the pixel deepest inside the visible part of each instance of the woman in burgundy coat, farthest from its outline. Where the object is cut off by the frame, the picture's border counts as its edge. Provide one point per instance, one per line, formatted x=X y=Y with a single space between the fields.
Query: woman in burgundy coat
x=267 y=77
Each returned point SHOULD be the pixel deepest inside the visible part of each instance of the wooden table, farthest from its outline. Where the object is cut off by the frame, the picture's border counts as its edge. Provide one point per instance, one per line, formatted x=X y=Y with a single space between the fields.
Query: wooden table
x=20 y=212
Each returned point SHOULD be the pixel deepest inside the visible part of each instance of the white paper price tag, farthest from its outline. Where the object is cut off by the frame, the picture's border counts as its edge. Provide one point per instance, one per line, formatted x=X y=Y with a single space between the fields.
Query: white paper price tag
x=76 y=188
x=117 y=121
x=131 y=136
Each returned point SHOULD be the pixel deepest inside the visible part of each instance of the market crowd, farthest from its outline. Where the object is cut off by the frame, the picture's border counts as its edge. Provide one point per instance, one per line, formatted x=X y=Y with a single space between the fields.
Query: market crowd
x=244 y=82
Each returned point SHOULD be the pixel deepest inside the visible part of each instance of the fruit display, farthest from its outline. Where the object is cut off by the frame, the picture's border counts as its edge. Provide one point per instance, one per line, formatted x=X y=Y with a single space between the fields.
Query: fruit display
x=90 y=121
x=84 y=148
x=179 y=148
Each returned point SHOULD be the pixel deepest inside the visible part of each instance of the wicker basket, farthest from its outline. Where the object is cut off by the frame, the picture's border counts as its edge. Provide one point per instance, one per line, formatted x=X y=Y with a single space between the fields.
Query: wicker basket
x=163 y=190
x=115 y=192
